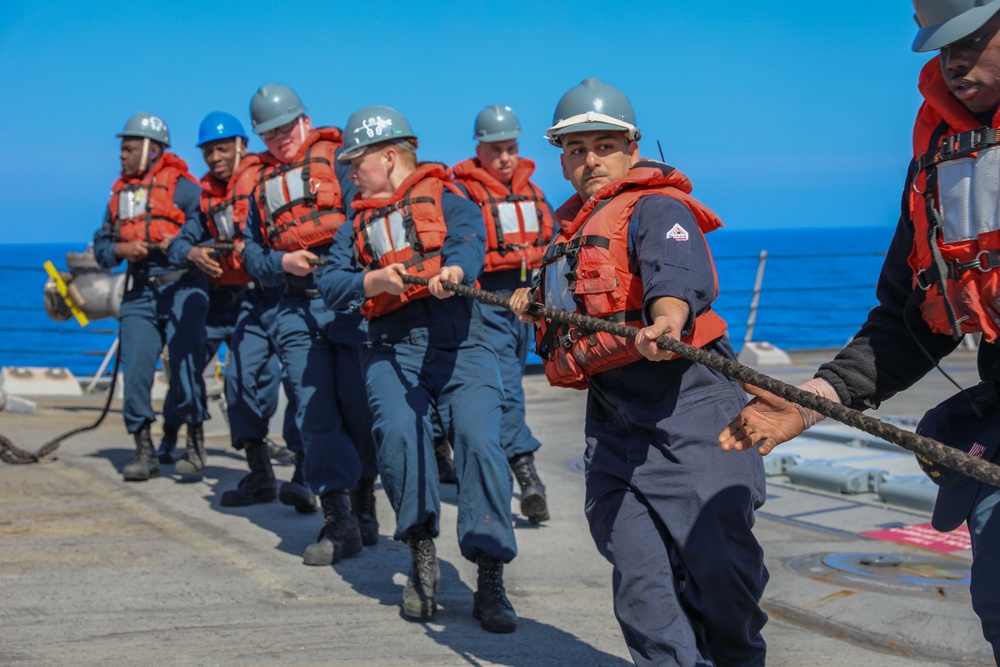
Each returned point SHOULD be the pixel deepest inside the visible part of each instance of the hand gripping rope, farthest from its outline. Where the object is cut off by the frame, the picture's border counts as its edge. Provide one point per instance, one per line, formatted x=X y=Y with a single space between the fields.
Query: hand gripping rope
x=978 y=469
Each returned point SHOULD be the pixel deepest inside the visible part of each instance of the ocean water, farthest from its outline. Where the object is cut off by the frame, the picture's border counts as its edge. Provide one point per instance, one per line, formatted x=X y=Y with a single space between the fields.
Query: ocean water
x=818 y=286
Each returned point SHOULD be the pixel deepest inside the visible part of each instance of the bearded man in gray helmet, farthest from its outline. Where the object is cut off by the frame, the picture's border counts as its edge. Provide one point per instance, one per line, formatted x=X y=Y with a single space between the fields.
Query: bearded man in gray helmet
x=671 y=512
x=938 y=283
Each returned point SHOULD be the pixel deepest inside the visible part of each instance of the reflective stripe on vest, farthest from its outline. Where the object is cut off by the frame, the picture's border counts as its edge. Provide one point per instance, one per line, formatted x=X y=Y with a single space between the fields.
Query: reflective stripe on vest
x=556 y=283
x=969 y=196
x=515 y=216
x=222 y=216
x=385 y=234
x=132 y=201
x=284 y=190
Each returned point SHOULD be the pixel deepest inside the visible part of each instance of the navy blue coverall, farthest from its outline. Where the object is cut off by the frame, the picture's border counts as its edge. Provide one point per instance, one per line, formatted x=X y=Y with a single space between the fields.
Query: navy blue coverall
x=321 y=352
x=164 y=304
x=432 y=355
x=666 y=505
x=241 y=316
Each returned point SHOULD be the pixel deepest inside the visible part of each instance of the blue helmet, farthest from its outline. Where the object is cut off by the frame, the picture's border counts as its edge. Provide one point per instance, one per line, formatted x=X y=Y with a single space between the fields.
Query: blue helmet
x=220 y=125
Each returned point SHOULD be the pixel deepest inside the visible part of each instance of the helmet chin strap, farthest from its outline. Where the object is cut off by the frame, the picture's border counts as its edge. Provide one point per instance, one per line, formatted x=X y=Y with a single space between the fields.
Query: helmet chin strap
x=239 y=153
x=144 y=159
x=302 y=129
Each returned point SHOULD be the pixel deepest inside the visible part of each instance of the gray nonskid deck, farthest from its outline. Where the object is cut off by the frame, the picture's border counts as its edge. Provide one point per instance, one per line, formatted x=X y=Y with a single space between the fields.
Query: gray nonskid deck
x=94 y=571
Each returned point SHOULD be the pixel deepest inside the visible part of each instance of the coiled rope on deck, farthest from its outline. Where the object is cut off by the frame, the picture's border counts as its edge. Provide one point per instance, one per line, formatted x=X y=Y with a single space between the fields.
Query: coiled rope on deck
x=976 y=468
x=10 y=453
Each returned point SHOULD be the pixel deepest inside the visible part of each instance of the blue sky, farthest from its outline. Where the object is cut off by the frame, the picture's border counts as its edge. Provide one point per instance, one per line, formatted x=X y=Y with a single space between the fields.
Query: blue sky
x=783 y=113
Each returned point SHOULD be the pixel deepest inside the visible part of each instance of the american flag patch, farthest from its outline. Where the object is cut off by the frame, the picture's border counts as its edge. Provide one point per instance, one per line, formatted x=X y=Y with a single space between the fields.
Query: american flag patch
x=977 y=450
x=678 y=233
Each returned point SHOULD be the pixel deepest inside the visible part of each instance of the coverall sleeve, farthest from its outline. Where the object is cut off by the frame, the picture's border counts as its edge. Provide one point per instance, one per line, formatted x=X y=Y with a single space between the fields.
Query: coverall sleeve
x=348 y=190
x=885 y=356
x=465 y=242
x=341 y=281
x=104 y=244
x=187 y=197
x=678 y=265
x=192 y=233
x=262 y=261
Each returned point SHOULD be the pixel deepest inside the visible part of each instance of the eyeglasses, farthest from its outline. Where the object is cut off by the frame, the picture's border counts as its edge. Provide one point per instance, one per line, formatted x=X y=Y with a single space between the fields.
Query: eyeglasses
x=267 y=135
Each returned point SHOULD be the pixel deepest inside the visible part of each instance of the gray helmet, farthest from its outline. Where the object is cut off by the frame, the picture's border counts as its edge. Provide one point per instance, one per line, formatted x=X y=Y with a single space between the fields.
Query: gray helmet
x=146 y=125
x=274 y=105
x=945 y=21
x=593 y=105
x=496 y=123
x=373 y=125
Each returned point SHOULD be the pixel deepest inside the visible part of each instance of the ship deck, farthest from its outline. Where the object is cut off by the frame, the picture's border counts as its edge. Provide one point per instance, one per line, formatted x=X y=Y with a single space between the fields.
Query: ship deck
x=95 y=571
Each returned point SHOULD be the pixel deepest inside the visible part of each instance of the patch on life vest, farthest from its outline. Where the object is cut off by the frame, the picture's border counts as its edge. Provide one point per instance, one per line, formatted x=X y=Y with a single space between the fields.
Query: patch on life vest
x=678 y=233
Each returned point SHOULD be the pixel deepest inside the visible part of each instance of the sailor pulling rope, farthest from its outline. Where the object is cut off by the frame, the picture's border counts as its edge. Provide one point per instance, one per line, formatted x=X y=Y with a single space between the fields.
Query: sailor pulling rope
x=949 y=457
x=978 y=469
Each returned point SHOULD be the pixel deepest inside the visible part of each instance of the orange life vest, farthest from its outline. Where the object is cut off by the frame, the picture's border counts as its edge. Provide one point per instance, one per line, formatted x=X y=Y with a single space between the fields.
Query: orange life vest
x=142 y=207
x=518 y=220
x=407 y=228
x=300 y=202
x=226 y=208
x=586 y=270
x=954 y=203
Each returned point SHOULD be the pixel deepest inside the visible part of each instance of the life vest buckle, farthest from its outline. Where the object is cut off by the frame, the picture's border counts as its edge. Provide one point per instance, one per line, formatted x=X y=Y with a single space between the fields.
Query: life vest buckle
x=571 y=336
x=986 y=260
x=960 y=144
x=924 y=280
x=964 y=143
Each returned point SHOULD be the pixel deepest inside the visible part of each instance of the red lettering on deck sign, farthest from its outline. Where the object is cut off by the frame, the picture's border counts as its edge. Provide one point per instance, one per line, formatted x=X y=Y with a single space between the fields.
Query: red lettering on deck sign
x=924 y=535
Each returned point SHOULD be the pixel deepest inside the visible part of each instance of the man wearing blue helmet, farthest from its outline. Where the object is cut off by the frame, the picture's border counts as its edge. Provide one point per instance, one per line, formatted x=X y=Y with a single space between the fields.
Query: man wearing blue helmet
x=240 y=311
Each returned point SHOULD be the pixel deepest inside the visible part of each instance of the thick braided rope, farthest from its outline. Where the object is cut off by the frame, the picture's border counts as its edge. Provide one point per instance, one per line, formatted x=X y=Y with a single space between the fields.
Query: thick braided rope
x=973 y=467
x=10 y=453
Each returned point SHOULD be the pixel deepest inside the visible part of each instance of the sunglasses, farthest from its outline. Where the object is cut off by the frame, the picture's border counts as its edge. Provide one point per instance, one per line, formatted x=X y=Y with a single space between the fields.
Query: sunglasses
x=267 y=135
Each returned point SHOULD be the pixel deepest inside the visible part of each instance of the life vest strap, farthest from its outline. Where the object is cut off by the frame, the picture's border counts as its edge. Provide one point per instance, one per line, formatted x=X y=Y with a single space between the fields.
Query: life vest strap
x=418 y=259
x=986 y=260
x=572 y=247
x=960 y=145
x=383 y=211
x=567 y=335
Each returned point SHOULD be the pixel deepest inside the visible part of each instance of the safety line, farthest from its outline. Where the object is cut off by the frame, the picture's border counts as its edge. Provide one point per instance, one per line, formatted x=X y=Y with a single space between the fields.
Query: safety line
x=973 y=467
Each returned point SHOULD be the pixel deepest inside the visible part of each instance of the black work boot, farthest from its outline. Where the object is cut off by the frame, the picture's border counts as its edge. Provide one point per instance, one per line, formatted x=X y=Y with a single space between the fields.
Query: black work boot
x=165 y=452
x=533 y=504
x=193 y=462
x=283 y=456
x=490 y=605
x=144 y=466
x=420 y=592
x=363 y=506
x=257 y=487
x=446 y=466
x=339 y=536
x=295 y=492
